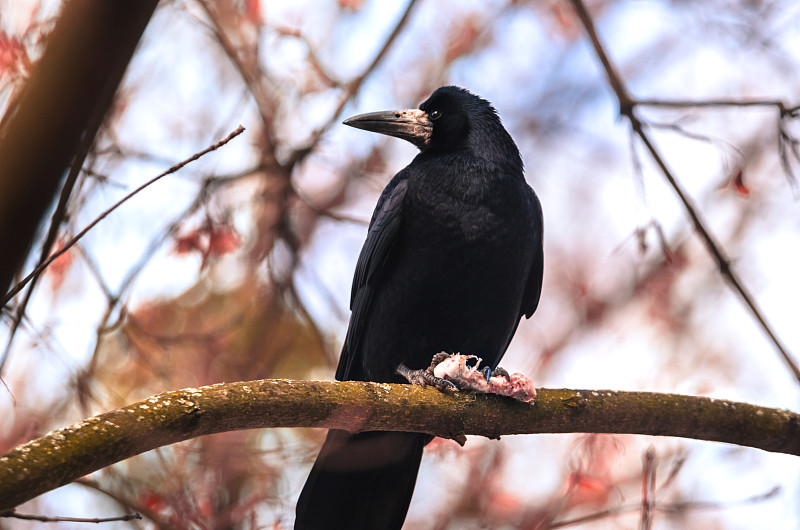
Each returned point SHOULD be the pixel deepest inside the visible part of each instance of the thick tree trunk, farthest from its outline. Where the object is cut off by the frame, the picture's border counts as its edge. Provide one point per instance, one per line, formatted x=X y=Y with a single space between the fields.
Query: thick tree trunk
x=60 y=108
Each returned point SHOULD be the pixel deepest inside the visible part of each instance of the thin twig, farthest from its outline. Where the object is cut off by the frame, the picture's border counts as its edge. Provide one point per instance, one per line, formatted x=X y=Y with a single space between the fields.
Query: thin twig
x=313 y=58
x=627 y=108
x=784 y=138
x=679 y=507
x=677 y=465
x=330 y=214
x=208 y=186
x=258 y=84
x=160 y=522
x=46 y=519
x=18 y=287
x=352 y=88
x=784 y=112
x=58 y=217
x=670 y=508
x=719 y=103
x=648 y=488
x=94 y=270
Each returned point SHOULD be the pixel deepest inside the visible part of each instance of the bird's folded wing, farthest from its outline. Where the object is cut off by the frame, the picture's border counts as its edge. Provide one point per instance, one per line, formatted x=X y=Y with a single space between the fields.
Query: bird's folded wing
x=383 y=229
x=533 y=287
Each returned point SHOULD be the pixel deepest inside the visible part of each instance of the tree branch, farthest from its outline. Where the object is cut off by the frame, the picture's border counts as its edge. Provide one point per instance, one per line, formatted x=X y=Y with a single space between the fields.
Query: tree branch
x=351 y=88
x=783 y=108
x=61 y=519
x=64 y=455
x=627 y=106
x=61 y=105
x=64 y=248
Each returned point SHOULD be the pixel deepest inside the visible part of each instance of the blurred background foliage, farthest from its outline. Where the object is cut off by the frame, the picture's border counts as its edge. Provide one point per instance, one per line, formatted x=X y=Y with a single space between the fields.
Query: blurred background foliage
x=239 y=266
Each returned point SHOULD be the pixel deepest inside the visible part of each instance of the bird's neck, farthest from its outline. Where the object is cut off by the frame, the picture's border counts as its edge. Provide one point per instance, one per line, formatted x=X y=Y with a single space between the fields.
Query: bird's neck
x=464 y=177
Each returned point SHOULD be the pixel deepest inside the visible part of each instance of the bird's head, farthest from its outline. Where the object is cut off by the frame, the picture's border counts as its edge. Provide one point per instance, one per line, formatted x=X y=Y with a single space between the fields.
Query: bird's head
x=452 y=119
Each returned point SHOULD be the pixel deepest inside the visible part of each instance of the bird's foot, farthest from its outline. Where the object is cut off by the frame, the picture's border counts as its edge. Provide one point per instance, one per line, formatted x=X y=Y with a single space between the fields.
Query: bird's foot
x=488 y=373
x=425 y=378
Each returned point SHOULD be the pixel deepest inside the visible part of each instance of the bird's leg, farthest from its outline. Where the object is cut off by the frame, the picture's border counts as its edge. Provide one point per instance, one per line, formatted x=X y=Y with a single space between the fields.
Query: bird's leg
x=426 y=377
x=465 y=372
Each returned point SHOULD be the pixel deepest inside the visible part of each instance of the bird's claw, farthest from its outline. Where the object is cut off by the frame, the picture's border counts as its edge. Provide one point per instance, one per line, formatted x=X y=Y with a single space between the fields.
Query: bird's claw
x=488 y=373
x=499 y=372
x=426 y=378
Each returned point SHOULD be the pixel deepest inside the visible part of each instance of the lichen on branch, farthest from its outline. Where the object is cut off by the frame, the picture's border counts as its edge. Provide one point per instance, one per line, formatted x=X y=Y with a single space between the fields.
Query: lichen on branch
x=67 y=454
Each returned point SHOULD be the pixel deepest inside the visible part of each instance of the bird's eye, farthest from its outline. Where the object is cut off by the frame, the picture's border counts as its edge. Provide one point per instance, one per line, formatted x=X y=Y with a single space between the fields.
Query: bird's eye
x=435 y=114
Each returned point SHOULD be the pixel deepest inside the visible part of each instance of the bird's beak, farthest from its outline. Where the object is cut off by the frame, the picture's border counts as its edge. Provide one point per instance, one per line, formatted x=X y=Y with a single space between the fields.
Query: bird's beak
x=412 y=125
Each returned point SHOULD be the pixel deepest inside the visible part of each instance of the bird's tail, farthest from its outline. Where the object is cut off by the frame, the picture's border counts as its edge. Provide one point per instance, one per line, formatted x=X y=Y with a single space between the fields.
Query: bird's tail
x=361 y=480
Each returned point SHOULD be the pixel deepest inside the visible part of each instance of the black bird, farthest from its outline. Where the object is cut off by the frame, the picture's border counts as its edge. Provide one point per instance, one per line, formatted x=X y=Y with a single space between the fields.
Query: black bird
x=452 y=261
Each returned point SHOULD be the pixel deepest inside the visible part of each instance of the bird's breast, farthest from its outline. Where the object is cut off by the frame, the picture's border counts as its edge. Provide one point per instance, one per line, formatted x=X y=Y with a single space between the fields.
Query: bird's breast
x=470 y=258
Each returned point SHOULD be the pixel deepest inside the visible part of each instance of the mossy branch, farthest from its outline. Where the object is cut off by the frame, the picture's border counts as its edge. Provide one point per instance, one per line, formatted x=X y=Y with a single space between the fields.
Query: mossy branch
x=66 y=454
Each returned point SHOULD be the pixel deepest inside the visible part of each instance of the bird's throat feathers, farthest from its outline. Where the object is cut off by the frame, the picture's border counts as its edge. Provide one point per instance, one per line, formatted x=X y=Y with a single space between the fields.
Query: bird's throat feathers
x=468 y=178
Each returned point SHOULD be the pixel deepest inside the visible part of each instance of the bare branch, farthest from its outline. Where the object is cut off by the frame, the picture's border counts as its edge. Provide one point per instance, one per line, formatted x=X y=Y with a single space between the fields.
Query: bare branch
x=66 y=454
x=61 y=106
x=670 y=508
x=648 y=488
x=47 y=519
x=352 y=88
x=18 y=287
x=718 y=103
x=258 y=85
x=56 y=220
x=159 y=521
x=627 y=108
x=785 y=112
x=313 y=57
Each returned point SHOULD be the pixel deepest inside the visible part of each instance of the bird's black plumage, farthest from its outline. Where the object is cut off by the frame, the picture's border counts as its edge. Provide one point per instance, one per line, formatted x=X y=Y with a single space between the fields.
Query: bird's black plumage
x=452 y=261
